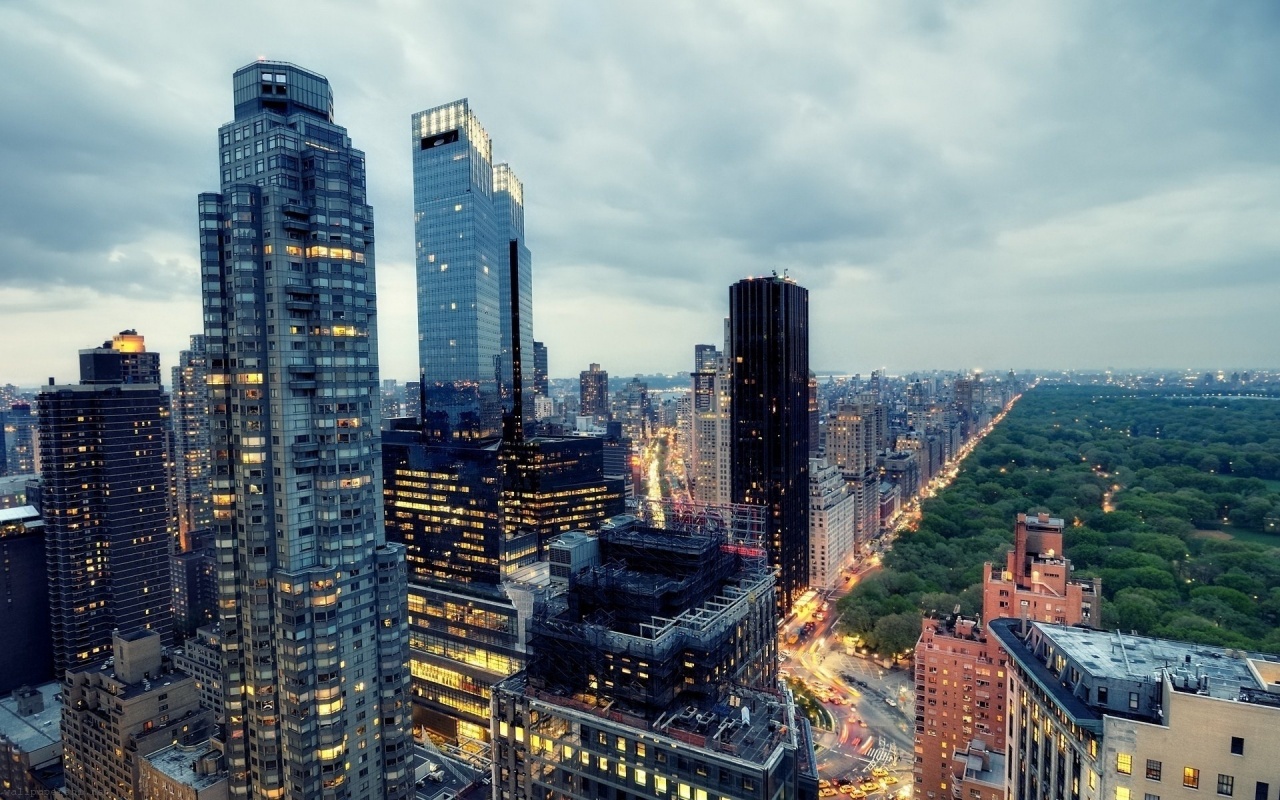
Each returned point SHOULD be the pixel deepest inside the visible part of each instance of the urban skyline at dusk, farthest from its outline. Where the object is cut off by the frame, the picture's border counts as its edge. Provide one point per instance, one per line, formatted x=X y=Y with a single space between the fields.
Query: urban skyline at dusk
x=937 y=177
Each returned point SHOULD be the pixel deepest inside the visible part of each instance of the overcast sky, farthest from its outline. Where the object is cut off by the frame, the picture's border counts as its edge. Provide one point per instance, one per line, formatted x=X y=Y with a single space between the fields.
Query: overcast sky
x=977 y=184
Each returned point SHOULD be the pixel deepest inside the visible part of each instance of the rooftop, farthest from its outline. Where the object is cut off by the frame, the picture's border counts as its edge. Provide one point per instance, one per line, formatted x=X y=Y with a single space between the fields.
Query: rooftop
x=1071 y=664
x=179 y=764
x=1114 y=655
x=38 y=730
x=27 y=514
x=749 y=725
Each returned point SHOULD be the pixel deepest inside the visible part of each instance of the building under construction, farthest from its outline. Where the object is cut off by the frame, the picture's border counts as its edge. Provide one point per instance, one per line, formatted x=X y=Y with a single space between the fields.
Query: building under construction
x=664 y=613
x=656 y=668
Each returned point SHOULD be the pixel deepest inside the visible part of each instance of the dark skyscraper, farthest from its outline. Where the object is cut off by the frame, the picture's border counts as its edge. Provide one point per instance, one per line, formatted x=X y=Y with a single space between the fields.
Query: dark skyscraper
x=769 y=341
x=106 y=503
x=312 y=607
x=24 y=601
x=541 y=385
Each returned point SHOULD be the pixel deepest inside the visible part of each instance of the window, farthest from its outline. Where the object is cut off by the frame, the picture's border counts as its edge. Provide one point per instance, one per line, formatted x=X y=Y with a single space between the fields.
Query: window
x=1153 y=769
x=1237 y=746
x=1226 y=785
x=1151 y=797
x=1122 y=793
x=1124 y=763
x=1191 y=778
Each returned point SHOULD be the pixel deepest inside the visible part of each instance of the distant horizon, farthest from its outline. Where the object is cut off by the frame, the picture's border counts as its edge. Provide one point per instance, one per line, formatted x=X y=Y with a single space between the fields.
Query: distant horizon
x=892 y=373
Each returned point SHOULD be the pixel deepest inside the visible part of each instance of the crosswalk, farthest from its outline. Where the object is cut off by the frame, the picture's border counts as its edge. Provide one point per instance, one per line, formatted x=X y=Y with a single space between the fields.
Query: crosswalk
x=882 y=755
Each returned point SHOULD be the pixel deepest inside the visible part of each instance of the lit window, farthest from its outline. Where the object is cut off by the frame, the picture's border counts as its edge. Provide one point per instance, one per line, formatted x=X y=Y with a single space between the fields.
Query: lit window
x=1122 y=793
x=1124 y=763
x=1191 y=778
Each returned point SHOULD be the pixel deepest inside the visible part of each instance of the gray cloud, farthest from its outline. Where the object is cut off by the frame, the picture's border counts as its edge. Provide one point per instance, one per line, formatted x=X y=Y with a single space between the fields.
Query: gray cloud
x=936 y=174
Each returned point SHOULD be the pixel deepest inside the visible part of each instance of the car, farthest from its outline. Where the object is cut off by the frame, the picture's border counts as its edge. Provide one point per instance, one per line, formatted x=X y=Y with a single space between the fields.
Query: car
x=890 y=779
x=870 y=786
x=848 y=788
x=828 y=792
x=891 y=702
x=823 y=784
x=879 y=772
x=857 y=793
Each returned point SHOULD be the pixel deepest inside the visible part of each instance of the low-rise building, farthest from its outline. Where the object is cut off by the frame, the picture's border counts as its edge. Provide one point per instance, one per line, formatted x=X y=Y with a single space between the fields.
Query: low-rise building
x=31 y=740
x=120 y=710
x=1105 y=716
x=181 y=772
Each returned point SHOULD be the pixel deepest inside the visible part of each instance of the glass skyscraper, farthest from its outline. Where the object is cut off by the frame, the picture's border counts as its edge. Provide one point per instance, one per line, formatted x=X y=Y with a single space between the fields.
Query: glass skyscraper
x=475 y=280
x=312 y=602
x=769 y=349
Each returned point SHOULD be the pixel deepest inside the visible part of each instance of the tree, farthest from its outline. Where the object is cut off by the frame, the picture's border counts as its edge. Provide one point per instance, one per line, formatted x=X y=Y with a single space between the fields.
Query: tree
x=895 y=634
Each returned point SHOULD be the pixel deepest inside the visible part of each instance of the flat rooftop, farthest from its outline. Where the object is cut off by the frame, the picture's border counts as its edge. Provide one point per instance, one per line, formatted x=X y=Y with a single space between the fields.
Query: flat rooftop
x=26 y=514
x=748 y=724
x=178 y=763
x=38 y=730
x=1112 y=659
x=1113 y=655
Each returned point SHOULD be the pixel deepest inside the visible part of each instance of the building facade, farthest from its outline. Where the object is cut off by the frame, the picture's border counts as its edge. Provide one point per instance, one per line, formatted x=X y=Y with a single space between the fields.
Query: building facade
x=711 y=427
x=593 y=392
x=474 y=274
x=1100 y=715
x=24 y=600
x=769 y=346
x=191 y=456
x=117 y=711
x=287 y=266
x=106 y=501
x=31 y=741
x=473 y=517
x=962 y=703
x=654 y=674
x=851 y=446
x=1036 y=581
x=832 y=521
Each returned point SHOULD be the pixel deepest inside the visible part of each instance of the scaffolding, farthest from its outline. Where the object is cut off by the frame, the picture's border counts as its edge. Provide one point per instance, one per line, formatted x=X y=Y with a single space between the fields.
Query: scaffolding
x=738 y=523
x=667 y=613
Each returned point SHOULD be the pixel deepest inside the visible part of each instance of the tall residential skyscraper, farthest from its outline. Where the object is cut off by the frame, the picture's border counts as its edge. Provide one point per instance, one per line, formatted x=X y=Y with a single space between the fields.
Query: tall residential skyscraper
x=191 y=440
x=312 y=602
x=769 y=345
x=473 y=269
x=124 y=359
x=593 y=392
x=106 y=505
x=710 y=427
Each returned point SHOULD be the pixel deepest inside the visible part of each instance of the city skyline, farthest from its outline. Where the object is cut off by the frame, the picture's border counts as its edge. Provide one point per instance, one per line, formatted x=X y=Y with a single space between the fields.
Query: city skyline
x=987 y=160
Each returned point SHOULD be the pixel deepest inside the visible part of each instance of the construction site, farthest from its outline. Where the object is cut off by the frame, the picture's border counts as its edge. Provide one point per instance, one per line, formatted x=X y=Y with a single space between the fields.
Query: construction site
x=662 y=614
